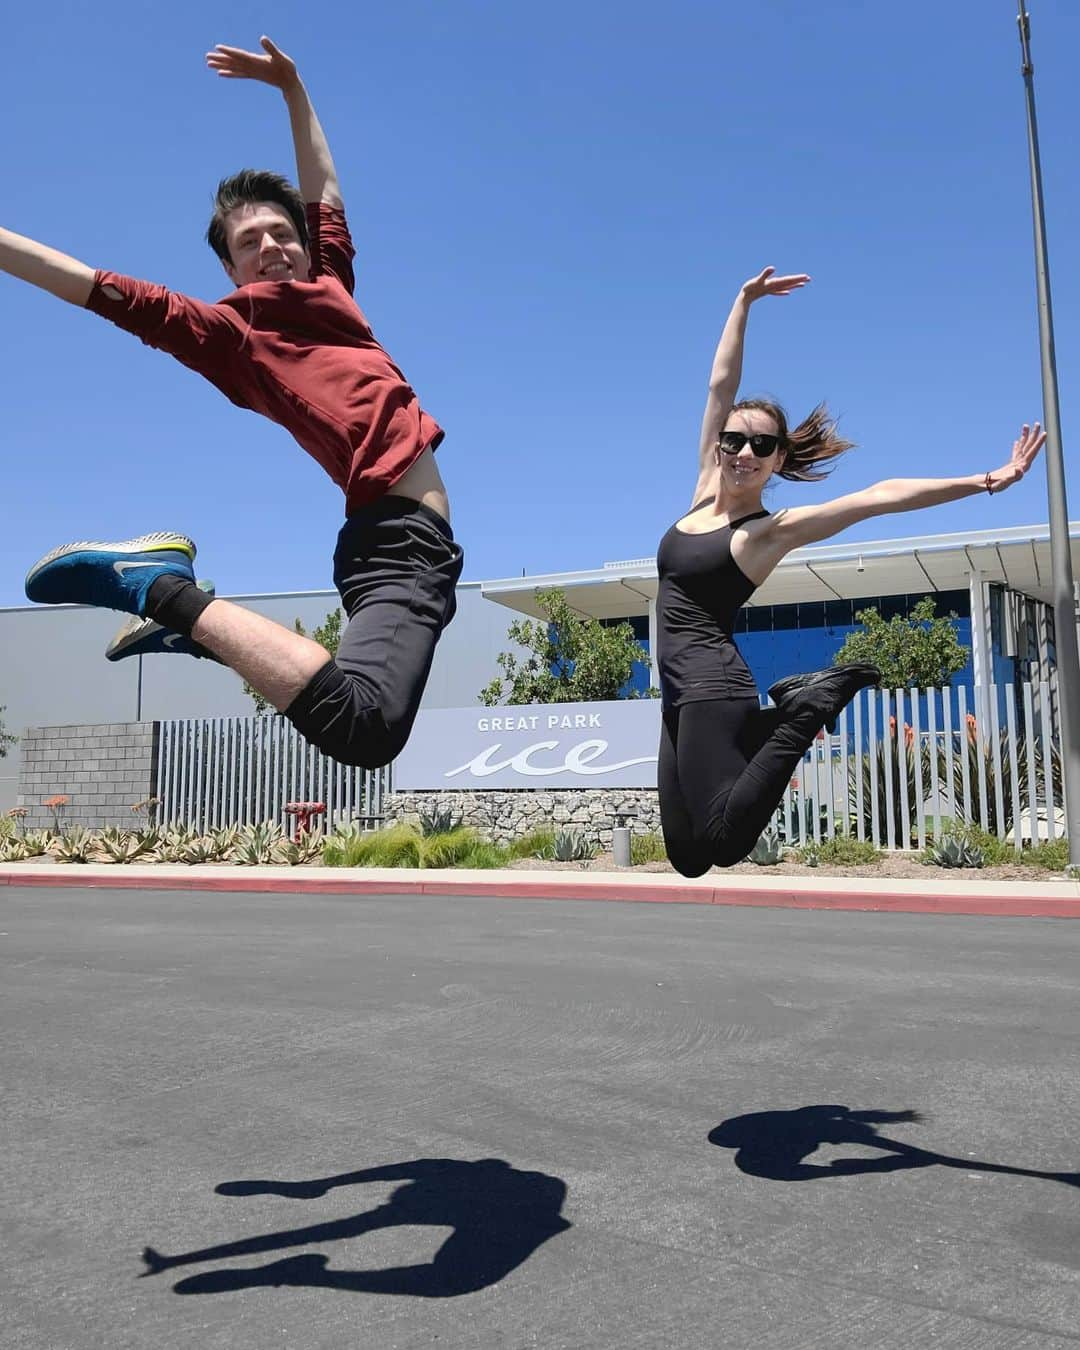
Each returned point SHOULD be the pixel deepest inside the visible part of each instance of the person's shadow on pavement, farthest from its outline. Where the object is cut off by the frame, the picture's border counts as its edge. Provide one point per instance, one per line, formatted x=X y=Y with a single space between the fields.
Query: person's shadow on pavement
x=773 y=1144
x=500 y=1216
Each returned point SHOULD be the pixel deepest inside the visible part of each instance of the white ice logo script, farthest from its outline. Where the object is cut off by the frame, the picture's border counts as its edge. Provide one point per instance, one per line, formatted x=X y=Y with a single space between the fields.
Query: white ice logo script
x=578 y=759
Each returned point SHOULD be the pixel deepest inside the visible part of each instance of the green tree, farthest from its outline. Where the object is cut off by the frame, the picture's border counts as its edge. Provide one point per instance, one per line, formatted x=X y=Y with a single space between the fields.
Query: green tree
x=571 y=659
x=6 y=738
x=922 y=650
x=328 y=635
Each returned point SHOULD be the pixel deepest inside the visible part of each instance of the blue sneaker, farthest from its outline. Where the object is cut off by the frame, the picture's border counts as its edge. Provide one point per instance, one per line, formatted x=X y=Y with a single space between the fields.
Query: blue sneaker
x=144 y=637
x=109 y=576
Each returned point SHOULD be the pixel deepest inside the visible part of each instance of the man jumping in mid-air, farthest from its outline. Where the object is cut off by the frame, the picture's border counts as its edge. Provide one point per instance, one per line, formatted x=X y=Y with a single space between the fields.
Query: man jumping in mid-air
x=291 y=343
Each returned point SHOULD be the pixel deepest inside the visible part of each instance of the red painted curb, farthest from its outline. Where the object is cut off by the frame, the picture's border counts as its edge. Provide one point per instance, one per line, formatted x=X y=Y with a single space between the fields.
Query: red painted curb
x=1002 y=906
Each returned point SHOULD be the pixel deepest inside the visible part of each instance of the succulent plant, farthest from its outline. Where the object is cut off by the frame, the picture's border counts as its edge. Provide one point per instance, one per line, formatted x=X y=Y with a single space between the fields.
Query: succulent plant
x=768 y=851
x=952 y=851
x=572 y=846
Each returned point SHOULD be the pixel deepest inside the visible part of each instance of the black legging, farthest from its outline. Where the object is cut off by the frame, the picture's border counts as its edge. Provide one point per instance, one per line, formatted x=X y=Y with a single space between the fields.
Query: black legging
x=724 y=765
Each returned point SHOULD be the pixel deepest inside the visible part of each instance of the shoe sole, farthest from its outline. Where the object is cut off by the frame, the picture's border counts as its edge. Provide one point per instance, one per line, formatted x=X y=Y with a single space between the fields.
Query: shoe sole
x=159 y=542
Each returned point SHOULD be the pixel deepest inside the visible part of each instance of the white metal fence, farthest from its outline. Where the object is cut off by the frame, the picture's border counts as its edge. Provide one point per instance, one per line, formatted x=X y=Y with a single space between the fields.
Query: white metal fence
x=244 y=770
x=903 y=761
x=900 y=763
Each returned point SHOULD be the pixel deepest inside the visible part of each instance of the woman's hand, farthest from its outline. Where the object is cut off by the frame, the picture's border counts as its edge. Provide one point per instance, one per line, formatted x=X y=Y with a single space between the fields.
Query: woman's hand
x=765 y=283
x=274 y=67
x=1025 y=448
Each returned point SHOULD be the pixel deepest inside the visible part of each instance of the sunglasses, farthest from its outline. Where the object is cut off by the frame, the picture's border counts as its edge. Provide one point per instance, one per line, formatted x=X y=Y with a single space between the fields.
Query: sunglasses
x=763 y=445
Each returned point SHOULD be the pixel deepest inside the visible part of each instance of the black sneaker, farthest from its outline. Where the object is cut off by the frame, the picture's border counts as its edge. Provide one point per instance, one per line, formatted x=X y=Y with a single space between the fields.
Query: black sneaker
x=825 y=691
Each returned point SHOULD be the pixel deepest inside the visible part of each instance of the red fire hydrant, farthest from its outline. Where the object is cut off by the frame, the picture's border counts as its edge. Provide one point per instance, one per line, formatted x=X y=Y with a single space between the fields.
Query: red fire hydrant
x=303 y=811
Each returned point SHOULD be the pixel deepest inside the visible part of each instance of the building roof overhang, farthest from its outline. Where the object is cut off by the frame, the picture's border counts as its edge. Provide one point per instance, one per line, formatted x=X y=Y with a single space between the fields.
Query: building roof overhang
x=1017 y=557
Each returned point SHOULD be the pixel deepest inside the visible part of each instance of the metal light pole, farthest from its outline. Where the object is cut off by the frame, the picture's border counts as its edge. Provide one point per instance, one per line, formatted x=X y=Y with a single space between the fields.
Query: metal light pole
x=1068 y=656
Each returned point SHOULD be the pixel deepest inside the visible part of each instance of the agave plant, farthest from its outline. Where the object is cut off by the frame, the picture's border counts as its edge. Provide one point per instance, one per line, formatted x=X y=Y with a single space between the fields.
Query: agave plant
x=258 y=844
x=572 y=846
x=125 y=846
x=306 y=849
x=768 y=851
x=36 y=843
x=174 y=840
x=438 y=820
x=953 y=851
x=78 y=845
x=224 y=840
x=12 y=849
x=197 y=851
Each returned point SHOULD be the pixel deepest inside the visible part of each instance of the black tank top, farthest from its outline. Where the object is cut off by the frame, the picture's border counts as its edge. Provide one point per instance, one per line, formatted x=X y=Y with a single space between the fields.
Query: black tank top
x=701 y=591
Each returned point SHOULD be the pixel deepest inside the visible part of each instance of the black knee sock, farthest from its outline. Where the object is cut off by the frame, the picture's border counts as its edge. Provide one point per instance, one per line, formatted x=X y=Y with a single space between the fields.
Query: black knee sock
x=176 y=603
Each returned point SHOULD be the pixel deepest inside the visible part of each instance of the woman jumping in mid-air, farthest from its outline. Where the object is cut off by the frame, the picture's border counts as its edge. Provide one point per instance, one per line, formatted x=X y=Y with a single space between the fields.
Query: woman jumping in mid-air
x=724 y=764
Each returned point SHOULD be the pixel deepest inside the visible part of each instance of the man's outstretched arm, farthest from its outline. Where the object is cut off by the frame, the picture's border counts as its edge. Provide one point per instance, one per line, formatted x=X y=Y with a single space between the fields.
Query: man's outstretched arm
x=314 y=163
x=46 y=267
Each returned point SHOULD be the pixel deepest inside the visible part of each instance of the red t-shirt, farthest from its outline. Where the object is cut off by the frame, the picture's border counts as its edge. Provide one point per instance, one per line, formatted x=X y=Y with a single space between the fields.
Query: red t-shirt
x=299 y=352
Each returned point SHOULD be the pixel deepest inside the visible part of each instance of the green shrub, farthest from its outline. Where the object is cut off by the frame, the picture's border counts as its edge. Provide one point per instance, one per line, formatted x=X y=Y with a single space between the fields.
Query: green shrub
x=450 y=848
x=647 y=848
x=538 y=843
x=1053 y=854
x=841 y=852
x=484 y=855
x=395 y=846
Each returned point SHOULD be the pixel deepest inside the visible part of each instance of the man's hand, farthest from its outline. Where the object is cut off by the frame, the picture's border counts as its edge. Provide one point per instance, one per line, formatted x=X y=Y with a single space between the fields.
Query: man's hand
x=275 y=68
x=765 y=283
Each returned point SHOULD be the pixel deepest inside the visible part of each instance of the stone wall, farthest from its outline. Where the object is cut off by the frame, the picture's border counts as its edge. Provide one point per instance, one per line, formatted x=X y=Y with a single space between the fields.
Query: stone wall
x=505 y=815
x=104 y=769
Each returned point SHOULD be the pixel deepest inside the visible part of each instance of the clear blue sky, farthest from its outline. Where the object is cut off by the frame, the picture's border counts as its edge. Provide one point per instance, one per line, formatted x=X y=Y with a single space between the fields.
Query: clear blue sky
x=553 y=206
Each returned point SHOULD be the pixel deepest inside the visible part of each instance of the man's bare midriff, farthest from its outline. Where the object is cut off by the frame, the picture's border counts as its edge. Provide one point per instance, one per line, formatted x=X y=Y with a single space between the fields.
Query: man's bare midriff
x=423 y=482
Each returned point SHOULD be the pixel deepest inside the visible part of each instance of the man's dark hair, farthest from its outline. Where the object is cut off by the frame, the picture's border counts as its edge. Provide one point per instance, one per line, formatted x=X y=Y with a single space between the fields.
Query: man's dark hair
x=251 y=186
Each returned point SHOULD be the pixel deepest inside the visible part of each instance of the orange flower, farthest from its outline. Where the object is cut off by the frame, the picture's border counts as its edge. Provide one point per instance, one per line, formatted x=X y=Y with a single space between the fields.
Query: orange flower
x=61 y=799
x=972 y=727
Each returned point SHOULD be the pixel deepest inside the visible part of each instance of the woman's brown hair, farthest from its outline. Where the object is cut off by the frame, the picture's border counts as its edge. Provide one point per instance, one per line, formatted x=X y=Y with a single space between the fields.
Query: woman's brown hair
x=813 y=442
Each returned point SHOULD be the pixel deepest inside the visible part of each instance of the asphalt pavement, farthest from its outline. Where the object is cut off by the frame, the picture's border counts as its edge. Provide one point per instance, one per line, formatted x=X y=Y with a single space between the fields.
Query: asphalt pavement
x=252 y=1121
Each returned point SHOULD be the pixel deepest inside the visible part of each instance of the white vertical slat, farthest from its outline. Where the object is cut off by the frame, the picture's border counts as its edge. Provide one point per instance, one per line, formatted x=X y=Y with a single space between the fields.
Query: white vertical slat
x=162 y=765
x=860 y=823
x=932 y=743
x=887 y=771
x=981 y=749
x=1014 y=766
x=236 y=765
x=830 y=795
x=845 y=776
x=1047 y=741
x=901 y=775
x=916 y=753
x=876 y=787
x=949 y=793
x=965 y=753
x=815 y=813
x=185 y=764
x=995 y=747
x=1032 y=794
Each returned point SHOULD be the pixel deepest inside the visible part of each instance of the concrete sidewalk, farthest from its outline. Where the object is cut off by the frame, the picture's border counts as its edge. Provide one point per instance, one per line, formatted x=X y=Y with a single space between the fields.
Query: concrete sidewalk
x=1054 y=898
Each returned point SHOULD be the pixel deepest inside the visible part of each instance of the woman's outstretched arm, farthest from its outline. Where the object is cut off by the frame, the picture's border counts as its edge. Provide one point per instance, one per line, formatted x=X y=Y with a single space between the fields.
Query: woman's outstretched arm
x=727 y=366
x=801 y=525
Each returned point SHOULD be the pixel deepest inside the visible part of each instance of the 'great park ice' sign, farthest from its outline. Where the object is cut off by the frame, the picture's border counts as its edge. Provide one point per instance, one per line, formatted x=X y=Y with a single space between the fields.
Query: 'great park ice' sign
x=549 y=745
